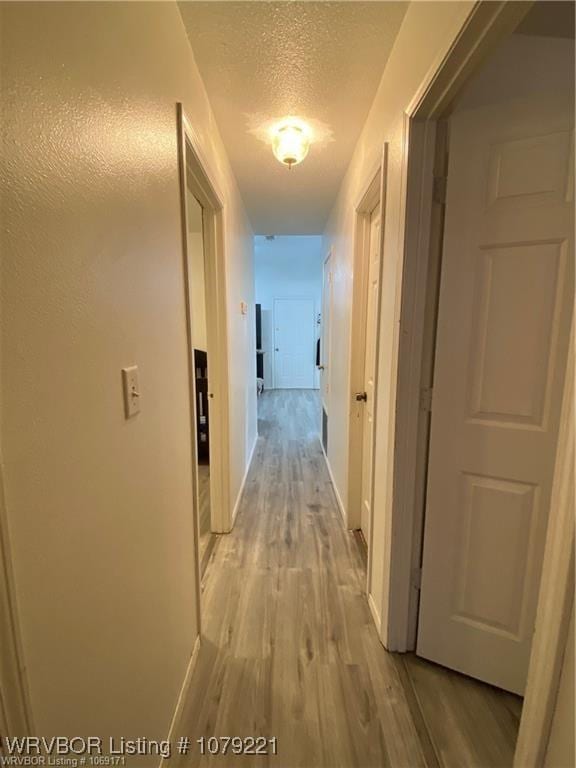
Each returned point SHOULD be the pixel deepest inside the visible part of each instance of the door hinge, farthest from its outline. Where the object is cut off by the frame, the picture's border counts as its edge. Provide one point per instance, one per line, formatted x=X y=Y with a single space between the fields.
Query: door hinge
x=426 y=399
x=439 y=189
x=417 y=578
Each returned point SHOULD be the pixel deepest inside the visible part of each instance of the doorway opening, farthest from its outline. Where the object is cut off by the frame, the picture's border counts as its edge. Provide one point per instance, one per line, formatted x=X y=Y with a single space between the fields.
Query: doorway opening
x=202 y=390
x=486 y=314
x=204 y=269
x=364 y=361
x=324 y=356
x=288 y=291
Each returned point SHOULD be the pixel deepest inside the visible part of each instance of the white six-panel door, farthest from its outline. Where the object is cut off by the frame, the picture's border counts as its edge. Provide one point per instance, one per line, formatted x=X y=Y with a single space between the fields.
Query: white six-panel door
x=294 y=344
x=325 y=338
x=370 y=371
x=505 y=306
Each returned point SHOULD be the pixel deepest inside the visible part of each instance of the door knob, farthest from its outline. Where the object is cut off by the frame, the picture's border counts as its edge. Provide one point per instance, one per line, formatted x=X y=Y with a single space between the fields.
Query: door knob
x=361 y=397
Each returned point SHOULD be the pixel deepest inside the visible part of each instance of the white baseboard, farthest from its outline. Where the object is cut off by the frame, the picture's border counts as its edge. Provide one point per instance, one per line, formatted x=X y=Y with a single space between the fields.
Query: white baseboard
x=173 y=731
x=243 y=483
x=371 y=603
x=375 y=614
x=336 y=492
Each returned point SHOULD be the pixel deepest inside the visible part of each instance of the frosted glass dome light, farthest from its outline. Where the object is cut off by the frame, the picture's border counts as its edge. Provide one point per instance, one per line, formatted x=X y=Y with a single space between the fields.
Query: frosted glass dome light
x=290 y=142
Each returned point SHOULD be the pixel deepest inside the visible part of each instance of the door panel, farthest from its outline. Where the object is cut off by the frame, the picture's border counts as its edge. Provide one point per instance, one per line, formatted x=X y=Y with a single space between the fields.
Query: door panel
x=505 y=306
x=370 y=372
x=513 y=340
x=492 y=597
x=325 y=337
x=294 y=349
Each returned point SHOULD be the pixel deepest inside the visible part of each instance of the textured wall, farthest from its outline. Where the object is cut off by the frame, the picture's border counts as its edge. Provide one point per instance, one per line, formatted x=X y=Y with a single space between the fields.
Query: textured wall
x=99 y=508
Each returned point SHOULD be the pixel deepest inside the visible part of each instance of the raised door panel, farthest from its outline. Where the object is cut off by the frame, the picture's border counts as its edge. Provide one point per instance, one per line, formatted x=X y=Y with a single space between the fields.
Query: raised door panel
x=519 y=290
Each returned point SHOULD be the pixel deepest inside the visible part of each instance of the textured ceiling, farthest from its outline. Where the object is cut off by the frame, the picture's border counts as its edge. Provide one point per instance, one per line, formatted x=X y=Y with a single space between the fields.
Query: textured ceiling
x=321 y=61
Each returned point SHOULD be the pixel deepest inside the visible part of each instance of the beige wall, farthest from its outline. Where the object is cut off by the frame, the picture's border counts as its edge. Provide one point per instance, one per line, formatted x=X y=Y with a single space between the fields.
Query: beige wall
x=99 y=508
x=426 y=34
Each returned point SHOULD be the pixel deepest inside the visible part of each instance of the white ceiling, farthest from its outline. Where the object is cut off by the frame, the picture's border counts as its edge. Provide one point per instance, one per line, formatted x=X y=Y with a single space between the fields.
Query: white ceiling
x=321 y=61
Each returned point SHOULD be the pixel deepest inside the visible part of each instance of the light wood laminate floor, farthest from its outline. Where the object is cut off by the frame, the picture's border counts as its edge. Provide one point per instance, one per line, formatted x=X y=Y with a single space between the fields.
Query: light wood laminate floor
x=289 y=648
x=204 y=511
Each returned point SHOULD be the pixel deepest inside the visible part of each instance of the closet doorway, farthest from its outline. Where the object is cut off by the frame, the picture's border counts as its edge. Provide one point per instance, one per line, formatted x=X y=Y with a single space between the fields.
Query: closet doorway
x=203 y=239
x=202 y=393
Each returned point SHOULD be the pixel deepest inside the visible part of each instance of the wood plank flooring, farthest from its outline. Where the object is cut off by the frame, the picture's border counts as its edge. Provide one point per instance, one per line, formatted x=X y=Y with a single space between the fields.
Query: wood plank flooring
x=289 y=648
x=206 y=539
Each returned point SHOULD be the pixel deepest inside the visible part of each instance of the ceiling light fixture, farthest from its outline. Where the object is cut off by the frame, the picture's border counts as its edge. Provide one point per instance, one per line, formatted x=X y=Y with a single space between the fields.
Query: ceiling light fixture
x=290 y=141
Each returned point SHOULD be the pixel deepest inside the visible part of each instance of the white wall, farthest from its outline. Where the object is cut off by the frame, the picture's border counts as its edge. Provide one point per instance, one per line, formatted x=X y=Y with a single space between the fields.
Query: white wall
x=99 y=508
x=426 y=34
x=288 y=267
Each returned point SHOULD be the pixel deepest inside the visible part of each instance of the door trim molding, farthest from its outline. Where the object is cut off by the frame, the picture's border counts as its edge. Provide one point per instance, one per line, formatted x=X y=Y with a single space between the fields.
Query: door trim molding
x=326 y=354
x=411 y=453
x=15 y=707
x=556 y=594
x=193 y=174
x=372 y=198
x=368 y=202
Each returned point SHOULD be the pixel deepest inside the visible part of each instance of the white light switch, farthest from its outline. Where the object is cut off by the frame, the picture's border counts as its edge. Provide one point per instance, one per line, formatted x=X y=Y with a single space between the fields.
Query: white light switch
x=131 y=391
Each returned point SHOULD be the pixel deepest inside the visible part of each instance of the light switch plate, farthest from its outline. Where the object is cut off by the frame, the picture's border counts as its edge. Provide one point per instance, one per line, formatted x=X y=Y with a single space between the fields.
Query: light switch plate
x=131 y=389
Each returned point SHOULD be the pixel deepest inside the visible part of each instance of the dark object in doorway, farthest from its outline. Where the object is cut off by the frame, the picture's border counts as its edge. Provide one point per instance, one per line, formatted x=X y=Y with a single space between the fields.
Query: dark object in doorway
x=202 y=410
x=259 y=350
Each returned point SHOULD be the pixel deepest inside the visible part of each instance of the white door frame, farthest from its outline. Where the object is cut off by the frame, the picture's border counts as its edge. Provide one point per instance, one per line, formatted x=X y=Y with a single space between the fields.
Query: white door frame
x=373 y=197
x=194 y=176
x=290 y=298
x=326 y=334
x=15 y=708
x=487 y=24
x=556 y=594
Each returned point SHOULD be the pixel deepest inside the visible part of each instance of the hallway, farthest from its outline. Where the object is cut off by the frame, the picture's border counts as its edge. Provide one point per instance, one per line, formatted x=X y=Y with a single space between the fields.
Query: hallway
x=289 y=648
x=278 y=279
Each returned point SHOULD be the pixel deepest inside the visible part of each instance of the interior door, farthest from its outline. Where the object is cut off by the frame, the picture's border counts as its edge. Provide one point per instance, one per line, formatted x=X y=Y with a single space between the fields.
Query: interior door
x=294 y=344
x=370 y=371
x=325 y=337
x=504 y=314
